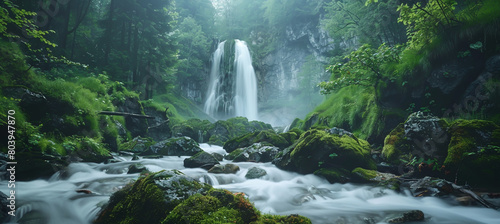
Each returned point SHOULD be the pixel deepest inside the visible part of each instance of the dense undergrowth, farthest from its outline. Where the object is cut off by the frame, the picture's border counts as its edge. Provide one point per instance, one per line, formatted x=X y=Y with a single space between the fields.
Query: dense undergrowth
x=57 y=111
x=372 y=113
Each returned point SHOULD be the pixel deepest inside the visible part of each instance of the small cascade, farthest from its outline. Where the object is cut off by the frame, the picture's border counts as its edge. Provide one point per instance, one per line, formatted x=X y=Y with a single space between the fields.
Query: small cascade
x=233 y=86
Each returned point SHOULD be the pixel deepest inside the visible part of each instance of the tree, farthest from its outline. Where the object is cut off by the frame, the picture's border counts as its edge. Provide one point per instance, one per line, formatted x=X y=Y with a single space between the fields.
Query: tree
x=194 y=50
x=365 y=67
x=374 y=23
x=424 y=21
x=139 y=42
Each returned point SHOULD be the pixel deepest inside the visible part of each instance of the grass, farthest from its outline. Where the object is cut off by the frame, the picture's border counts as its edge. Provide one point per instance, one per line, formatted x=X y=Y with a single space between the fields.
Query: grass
x=352 y=108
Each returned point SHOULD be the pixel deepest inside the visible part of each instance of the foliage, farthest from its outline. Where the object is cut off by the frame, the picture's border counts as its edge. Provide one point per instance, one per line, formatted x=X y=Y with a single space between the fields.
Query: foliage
x=352 y=108
x=21 y=20
x=355 y=21
x=365 y=67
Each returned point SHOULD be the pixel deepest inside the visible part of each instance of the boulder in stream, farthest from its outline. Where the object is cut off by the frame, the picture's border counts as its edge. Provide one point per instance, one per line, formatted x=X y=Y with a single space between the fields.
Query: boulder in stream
x=180 y=146
x=201 y=160
x=170 y=197
x=255 y=172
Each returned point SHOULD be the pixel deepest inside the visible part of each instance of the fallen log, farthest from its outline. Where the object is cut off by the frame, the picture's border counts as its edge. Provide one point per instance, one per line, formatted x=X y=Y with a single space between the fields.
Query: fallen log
x=126 y=114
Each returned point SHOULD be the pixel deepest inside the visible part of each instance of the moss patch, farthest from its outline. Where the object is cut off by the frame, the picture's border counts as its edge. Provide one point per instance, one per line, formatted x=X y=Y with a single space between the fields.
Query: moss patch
x=352 y=108
x=251 y=138
x=318 y=149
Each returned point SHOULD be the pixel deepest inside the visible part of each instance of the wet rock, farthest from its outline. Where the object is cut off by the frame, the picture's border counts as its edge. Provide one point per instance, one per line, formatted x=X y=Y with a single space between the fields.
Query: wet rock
x=136 y=168
x=429 y=186
x=201 y=160
x=137 y=145
x=159 y=128
x=218 y=156
x=150 y=199
x=257 y=152
x=334 y=175
x=339 y=131
x=255 y=172
x=4 y=209
x=111 y=161
x=422 y=135
x=318 y=149
x=37 y=165
x=370 y=176
x=135 y=157
x=136 y=126
x=474 y=153
x=228 y=168
x=152 y=157
x=257 y=137
x=407 y=217
x=180 y=146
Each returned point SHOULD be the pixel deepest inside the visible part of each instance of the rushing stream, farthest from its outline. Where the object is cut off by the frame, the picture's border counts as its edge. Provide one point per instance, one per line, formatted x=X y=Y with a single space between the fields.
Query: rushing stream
x=57 y=201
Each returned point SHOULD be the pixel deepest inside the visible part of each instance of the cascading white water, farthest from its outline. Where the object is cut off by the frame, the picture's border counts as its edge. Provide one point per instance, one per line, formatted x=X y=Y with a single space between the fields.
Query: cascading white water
x=232 y=93
x=56 y=201
x=214 y=96
x=245 y=99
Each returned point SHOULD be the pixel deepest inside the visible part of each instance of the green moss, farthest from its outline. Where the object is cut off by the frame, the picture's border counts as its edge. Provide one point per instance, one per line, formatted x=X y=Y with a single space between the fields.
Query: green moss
x=333 y=175
x=351 y=108
x=263 y=136
x=472 y=157
x=291 y=219
x=317 y=148
x=364 y=174
x=297 y=123
x=141 y=202
x=234 y=154
x=393 y=144
x=466 y=136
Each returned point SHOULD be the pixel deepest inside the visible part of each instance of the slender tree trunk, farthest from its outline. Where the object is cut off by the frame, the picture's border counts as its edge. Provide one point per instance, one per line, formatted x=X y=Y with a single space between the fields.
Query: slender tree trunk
x=109 y=32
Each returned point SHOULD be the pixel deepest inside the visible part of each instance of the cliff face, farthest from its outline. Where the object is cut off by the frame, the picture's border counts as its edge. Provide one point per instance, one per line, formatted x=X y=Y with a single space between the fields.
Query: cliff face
x=290 y=73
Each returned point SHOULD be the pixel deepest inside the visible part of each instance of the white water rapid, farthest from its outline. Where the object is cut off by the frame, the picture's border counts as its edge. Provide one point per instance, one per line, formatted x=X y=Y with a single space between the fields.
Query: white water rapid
x=232 y=93
x=56 y=201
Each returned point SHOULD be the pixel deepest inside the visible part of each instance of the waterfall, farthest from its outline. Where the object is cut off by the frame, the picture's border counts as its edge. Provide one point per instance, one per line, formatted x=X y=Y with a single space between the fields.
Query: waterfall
x=245 y=100
x=214 y=96
x=232 y=92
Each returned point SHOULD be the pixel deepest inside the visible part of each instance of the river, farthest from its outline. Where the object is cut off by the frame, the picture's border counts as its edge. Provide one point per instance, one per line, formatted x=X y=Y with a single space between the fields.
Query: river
x=56 y=201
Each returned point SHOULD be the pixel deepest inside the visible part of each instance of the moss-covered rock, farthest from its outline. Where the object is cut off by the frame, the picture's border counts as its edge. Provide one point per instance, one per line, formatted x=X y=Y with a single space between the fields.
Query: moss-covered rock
x=137 y=145
x=249 y=139
x=223 y=131
x=474 y=153
x=290 y=136
x=328 y=155
x=258 y=152
x=222 y=206
x=169 y=197
x=424 y=137
x=197 y=129
x=180 y=146
x=334 y=175
x=201 y=160
x=370 y=176
x=319 y=149
x=150 y=199
x=255 y=172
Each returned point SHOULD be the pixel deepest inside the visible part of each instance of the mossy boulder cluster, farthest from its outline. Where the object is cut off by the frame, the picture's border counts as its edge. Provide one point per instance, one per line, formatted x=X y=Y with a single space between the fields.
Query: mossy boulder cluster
x=330 y=155
x=179 y=146
x=467 y=151
x=219 y=132
x=169 y=197
x=267 y=136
